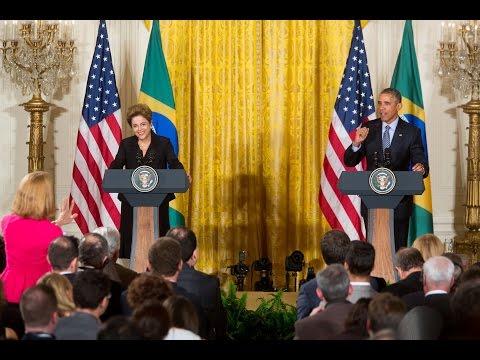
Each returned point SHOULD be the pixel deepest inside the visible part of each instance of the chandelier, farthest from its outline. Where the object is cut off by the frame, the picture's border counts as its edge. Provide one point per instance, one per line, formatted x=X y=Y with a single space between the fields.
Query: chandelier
x=38 y=57
x=460 y=67
x=459 y=56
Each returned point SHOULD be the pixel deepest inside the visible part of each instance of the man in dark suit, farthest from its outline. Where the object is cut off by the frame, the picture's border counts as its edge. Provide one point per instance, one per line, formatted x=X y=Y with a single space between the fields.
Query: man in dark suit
x=408 y=264
x=115 y=271
x=394 y=143
x=207 y=287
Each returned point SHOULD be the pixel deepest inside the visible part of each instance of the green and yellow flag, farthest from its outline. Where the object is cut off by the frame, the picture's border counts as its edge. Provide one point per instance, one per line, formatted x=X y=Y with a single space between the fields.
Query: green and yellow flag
x=407 y=80
x=156 y=92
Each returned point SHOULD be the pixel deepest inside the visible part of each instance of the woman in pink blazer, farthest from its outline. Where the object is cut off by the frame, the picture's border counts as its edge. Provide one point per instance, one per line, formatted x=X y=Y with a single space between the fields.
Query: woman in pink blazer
x=28 y=231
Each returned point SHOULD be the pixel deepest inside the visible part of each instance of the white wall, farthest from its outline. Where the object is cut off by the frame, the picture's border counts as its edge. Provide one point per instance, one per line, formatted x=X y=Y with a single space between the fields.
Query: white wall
x=446 y=125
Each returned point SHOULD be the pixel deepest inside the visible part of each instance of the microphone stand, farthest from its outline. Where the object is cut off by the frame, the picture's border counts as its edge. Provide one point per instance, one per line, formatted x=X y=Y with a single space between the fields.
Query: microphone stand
x=387 y=158
x=375 y=160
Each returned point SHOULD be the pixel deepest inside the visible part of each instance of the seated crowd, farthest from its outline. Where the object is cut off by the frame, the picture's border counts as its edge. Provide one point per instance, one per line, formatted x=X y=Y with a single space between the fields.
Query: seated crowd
x=88 y=296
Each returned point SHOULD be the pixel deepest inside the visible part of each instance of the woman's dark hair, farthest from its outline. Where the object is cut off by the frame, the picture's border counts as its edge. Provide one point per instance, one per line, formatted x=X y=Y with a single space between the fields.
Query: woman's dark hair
x=139 y=109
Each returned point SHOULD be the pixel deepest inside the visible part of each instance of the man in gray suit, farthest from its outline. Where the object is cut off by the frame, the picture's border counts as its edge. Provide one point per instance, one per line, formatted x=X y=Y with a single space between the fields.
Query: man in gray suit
x=333 y=287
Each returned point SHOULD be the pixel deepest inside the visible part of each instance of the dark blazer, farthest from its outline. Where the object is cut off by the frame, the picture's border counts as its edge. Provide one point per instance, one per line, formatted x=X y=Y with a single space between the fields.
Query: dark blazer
x=207 y=288
x=158 y=155
x=126 y=275
x=197 y=303
x=406 y=147
x=439 y=302
x=412 y=283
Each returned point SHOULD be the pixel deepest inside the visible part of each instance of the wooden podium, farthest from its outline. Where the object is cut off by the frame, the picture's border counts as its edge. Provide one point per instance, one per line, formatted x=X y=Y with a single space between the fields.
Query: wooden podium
x=145 y=206
x=380 y=212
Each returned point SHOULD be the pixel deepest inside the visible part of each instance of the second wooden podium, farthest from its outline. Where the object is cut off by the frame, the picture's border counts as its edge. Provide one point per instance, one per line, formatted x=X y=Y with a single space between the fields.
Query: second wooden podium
x=380 y=210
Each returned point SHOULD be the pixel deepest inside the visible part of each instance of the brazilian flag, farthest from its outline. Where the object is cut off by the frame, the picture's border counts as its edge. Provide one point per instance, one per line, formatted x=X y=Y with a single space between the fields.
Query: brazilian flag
x=406 y=79
x=156 y=92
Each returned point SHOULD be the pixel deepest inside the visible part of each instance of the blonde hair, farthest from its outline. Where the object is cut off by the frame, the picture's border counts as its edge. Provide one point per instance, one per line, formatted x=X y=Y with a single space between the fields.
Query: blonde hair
x=34 y=197
x=63 y=291
x=429 y=245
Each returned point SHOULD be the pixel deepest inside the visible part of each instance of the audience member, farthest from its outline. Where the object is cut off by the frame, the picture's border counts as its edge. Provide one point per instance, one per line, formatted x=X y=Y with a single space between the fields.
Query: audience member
x=145 y=287
x=333 y=286
x=91 y=294
x=472 y=273
x=165 y=258
x=466 y=310
x=458 y=268
x=408 y=263
x=38 y=307
x=153 y=319
x=359 y=263
x=63 y=291
x=28 y=231
x=93 y=254
x=120 y=327
x=185 y=325
x=420 y=323
x=356 y=322
x=429 y=245
x=437 y=280
x=206 y=287
x=334 y=247
x=63 y=256
x=385 y=312
x=115 y=271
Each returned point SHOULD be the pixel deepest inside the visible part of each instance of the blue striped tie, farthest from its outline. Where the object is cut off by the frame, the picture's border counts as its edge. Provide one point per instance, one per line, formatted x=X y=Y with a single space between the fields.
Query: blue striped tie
x=386 y=138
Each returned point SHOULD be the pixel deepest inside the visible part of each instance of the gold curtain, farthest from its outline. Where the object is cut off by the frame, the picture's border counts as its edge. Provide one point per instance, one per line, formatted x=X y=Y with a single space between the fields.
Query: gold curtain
x=254 y=101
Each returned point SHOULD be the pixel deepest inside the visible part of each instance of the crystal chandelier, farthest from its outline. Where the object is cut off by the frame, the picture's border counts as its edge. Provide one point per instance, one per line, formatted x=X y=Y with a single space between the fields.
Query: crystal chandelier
x=38 y=56
x=459 y=56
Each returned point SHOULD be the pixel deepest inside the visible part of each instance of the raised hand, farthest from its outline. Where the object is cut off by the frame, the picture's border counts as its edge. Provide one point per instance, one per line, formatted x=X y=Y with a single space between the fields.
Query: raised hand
x=65 y=215
x=360 y=135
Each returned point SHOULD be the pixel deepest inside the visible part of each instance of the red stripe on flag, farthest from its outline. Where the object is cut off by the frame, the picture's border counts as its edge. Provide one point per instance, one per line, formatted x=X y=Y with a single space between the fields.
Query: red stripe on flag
x=97 y=135
x=344 y=199
x=81 y=222
x=115 y=128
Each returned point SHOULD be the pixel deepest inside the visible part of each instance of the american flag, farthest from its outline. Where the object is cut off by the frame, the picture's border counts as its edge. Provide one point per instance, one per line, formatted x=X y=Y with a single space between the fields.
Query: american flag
x=353 y=106
x=99 y=136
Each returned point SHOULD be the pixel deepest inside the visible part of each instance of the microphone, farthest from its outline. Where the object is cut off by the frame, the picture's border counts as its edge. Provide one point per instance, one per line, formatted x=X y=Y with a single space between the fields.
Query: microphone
x=375 y=160
x=387 y=157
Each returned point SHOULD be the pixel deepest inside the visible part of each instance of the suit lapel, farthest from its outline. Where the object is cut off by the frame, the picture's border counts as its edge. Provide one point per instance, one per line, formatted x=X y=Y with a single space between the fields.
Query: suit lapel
x=398 y=138
x=378 y=139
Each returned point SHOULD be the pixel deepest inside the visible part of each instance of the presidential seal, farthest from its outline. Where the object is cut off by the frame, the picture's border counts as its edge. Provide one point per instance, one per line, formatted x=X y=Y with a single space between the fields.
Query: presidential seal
x=382 y=180
x=144 y=178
